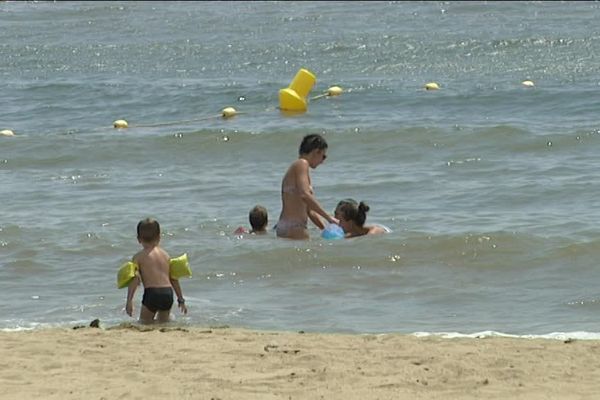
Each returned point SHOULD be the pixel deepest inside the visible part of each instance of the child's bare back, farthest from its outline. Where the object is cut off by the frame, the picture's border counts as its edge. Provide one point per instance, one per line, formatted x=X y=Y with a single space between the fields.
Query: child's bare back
x=154 y=267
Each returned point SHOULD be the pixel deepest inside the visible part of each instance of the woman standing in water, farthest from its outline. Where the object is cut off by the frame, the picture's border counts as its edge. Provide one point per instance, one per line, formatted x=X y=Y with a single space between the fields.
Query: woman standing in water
x=297 y=196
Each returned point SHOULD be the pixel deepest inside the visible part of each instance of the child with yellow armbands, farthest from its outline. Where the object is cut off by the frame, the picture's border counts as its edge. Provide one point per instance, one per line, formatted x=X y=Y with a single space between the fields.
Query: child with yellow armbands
x=160 y=276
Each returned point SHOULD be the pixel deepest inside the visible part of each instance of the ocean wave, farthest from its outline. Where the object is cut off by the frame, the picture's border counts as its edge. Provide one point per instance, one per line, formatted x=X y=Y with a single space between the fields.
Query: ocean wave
x=564 y=336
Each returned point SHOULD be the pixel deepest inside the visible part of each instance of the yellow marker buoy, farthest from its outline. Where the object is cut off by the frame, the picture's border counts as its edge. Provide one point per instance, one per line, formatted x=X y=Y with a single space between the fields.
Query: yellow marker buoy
x=334 y=91
x=528 y=83
x=120 y=124
x=7 y=132
x=228 y=112
x=293 y=98
x=432 y=86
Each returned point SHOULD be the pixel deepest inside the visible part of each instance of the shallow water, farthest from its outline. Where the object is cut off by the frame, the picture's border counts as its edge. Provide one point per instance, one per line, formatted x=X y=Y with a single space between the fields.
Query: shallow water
x=488 y=186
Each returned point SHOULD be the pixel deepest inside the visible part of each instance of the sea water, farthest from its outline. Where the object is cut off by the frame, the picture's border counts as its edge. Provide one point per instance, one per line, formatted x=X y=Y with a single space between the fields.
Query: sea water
x=490 y=187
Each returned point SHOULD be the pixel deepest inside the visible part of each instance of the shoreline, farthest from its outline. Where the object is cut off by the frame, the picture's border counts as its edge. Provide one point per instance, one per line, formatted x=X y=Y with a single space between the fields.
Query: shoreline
x=174 y=324
x=131 y=361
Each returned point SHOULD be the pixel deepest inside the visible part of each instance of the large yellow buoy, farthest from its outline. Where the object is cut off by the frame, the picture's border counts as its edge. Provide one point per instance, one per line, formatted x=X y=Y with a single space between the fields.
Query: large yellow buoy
x=432 y=86
x=293 y=98
x=120 y=124
x=7 y=132
x=528 y=83
x=228 y=112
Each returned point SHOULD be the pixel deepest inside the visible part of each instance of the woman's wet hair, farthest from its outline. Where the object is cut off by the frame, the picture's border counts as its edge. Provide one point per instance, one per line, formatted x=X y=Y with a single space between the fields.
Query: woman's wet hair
x=353 y=211
x=312 y=142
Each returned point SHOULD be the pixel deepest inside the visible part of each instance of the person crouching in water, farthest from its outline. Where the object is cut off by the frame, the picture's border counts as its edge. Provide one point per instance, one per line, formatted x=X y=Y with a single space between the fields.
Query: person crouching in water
x=259 y=218
x=352 y=216
x=153 y=273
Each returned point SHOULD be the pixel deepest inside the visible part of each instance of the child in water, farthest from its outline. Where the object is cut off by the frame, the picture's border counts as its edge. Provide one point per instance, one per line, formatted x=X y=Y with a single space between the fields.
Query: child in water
x=352 y=216
x=258 y=218
x=153 y=273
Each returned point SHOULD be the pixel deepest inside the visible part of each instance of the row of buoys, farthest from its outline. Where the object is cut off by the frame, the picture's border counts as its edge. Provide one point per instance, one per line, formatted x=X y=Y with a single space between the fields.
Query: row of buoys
x=227 y=112
x=436 y=86
x=293 y=98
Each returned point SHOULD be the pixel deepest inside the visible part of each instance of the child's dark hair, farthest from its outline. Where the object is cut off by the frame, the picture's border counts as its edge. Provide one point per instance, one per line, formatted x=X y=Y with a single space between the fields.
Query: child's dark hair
x=353 y=211
x=258 y=218
x=148 y=230
x=312 y=142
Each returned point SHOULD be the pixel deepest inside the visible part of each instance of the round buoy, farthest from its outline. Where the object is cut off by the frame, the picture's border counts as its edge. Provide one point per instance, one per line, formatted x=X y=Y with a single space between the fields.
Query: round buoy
x=120 y=124
x=228 y=112
x=432 y=86
x=7 y=132
x=334 y=91
x=528 y=83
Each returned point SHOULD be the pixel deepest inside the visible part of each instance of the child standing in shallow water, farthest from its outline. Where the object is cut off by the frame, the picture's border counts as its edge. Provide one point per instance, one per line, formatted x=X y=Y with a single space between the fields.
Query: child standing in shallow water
x=153 y=273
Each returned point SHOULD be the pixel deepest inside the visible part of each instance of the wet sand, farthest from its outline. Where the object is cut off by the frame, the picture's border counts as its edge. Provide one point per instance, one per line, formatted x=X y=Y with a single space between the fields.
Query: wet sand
x=132 y=362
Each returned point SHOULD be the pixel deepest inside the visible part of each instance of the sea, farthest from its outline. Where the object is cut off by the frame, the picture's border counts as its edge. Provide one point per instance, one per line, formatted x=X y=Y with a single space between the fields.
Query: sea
x=490 y=186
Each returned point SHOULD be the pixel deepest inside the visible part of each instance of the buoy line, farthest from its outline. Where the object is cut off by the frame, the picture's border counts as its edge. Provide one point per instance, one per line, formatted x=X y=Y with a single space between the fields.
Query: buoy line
x=292 y=100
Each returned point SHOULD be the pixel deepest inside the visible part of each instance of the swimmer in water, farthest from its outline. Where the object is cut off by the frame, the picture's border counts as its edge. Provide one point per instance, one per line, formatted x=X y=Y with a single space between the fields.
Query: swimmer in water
x=259 y=218
x=352 y=216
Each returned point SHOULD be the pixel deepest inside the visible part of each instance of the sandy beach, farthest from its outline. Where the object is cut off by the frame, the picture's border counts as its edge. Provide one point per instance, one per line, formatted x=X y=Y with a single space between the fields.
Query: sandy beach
x=131 y=362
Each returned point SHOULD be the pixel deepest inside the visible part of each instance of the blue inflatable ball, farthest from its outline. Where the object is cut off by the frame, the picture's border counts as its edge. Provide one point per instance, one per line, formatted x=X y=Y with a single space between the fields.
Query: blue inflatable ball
x=332 y=231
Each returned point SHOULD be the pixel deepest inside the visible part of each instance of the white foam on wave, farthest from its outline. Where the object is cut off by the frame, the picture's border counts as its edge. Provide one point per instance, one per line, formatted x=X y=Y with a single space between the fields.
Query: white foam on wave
x=18 y=326
x=385 y=228
x=579 y=335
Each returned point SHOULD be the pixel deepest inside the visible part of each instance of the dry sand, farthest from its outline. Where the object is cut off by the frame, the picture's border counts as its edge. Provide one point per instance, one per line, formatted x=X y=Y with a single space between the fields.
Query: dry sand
x=130 y=362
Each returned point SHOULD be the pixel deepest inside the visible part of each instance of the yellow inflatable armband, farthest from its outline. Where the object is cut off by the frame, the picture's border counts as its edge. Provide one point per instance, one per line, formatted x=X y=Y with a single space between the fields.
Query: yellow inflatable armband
x=179 y=267
x=126 y=274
